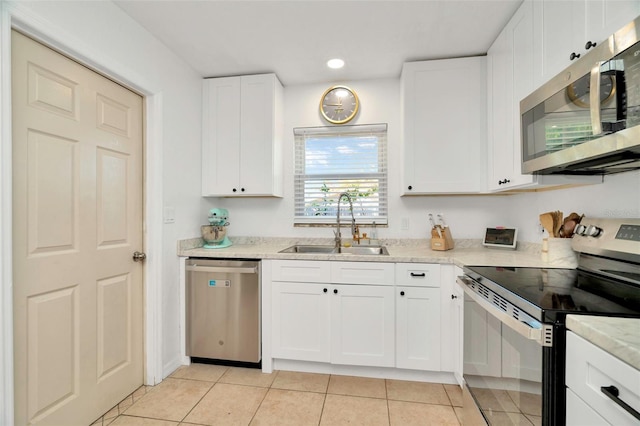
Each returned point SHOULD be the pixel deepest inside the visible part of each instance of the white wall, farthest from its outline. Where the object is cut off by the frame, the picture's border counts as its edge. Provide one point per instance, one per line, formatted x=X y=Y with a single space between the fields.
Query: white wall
x=619 y=196
x=102 y=35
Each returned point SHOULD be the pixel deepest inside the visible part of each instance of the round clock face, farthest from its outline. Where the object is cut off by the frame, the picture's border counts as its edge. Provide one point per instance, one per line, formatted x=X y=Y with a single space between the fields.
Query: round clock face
x=339 y=104
x=578 y=92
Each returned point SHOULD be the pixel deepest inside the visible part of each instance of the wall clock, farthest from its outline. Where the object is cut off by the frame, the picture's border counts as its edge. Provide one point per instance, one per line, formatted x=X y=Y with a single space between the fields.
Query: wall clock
x=578 y=92
x=339 y=104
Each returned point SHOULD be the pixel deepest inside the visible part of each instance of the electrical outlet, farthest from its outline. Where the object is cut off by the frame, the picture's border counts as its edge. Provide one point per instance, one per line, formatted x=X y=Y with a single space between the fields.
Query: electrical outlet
x=169 y=215
x=404 y=224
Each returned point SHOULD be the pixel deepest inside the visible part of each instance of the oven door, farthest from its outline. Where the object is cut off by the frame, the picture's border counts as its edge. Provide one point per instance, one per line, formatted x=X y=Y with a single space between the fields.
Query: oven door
x=503 y=360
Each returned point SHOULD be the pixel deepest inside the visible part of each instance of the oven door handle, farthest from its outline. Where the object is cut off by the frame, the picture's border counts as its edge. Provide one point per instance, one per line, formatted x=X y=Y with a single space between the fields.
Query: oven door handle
x=523 y=329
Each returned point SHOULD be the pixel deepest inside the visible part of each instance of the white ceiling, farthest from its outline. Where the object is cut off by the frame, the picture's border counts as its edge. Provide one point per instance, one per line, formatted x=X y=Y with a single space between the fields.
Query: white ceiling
x=295 y=38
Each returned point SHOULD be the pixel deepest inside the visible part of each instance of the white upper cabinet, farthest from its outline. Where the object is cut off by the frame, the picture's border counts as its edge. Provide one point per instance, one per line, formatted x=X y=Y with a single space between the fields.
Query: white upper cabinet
x=604 y=17
x=560 y=36
x=568 y=28
x=513 y=72
x=242 y=136
x=510 y=77
x=444 y=126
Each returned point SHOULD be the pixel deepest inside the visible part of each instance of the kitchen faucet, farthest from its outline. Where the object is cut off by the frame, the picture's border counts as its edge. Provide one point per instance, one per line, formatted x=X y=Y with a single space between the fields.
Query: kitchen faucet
x=353 y=221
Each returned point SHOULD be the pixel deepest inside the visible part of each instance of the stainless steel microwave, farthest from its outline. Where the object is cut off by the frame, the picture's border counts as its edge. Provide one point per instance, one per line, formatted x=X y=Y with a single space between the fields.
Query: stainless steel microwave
x=586 y=120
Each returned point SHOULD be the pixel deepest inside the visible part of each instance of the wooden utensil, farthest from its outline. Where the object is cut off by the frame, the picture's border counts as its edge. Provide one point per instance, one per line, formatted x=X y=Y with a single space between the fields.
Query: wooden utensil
x=557 y=223
x=546 y=220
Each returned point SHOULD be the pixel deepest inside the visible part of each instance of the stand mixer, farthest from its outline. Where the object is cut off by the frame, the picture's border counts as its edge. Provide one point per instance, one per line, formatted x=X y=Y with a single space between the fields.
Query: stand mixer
x=215 y=234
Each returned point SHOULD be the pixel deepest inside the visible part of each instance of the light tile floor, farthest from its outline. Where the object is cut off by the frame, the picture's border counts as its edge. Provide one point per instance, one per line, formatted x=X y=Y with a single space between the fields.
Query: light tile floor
x=202 y=394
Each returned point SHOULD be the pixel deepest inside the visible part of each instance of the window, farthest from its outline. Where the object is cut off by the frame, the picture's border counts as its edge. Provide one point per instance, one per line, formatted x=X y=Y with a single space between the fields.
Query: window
x=333 y=160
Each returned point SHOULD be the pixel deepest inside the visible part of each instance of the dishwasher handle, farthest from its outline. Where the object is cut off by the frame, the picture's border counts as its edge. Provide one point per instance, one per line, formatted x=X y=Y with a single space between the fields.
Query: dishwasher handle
x=223 y=269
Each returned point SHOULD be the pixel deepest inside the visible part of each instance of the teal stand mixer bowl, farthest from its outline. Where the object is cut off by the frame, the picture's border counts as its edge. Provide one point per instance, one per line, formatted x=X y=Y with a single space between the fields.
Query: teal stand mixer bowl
x=215 y=234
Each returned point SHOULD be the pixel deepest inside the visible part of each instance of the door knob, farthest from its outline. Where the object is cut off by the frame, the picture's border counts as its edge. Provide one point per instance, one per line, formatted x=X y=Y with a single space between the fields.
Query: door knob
x=139 y=257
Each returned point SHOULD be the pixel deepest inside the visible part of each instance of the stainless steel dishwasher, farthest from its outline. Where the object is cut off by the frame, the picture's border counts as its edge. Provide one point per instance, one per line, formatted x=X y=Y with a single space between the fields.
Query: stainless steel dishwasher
x=223 y=309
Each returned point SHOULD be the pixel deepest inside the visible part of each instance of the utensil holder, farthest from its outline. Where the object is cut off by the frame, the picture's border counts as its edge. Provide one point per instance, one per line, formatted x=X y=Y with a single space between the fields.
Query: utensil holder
x=441 y=241
x=558 y=252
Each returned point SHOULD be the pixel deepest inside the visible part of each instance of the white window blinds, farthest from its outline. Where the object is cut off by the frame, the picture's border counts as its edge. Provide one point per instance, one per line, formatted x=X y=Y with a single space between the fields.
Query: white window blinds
x=333 y=160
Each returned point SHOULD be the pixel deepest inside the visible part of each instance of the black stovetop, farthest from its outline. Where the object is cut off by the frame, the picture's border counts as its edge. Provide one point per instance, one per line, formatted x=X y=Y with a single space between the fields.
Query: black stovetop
x=551 y=294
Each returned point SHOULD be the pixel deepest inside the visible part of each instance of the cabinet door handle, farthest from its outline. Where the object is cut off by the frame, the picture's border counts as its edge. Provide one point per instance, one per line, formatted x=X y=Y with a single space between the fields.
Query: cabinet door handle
x=234 y=190
x=409 y=187
x=402 y=293
x=421 y=274
x=453 y=296
x=335 y=291
x=573 y=56
x=589 y=45
x=613 y=392
x=241 y=189
x=324 y=290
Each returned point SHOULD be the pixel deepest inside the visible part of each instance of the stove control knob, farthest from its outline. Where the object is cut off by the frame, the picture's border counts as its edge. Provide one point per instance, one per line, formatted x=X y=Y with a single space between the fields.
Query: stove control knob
x=593 y=231
x=580 y=229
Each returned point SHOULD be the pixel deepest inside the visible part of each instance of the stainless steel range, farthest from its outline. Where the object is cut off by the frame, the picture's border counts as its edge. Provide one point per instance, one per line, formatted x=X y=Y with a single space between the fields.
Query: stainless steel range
x=514 y=322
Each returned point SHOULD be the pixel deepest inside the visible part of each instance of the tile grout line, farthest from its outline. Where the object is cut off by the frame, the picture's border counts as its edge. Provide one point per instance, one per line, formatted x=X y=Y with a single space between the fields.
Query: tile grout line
x=386 y=394
x=200 y=400
x=264 y=397
x=326 y=393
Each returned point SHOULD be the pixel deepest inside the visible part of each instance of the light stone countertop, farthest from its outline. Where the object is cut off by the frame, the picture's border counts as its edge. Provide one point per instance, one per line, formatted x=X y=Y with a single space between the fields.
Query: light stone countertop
x=466 y=252
x=618 y=336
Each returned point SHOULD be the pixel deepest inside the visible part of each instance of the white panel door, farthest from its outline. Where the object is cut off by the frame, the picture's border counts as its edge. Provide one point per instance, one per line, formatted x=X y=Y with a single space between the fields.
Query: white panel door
x=77 y=212
x=482 y=341
x=418 y=328
x=562 y=32
x=257 y=133
x=362 y=325
x=518 y=361
x=436 y=94
x=221 y=136
x=300 y=321
x=604 y=17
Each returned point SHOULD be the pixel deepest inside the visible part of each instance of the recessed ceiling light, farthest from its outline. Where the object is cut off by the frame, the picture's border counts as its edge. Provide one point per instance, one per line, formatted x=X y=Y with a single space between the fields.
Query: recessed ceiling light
x=335 y=63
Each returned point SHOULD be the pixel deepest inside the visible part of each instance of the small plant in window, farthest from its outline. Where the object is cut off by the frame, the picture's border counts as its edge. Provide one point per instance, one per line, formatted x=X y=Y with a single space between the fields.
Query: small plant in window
x=359 y=198
x=324 y=206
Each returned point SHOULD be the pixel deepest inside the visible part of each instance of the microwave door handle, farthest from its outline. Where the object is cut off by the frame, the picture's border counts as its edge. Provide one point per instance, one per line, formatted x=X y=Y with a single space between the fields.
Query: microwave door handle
x=594 y=99
x=523 y=329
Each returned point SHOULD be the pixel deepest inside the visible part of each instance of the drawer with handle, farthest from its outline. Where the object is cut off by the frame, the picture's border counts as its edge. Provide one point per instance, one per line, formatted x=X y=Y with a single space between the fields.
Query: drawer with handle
x=418 y=274
x=605 y=383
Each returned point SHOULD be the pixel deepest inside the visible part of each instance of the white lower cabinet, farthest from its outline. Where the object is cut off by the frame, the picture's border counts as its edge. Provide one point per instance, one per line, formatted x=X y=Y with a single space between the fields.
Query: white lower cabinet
x=418 y=328
x=353 y=313
x=595 y=380
x=483 y=341
x=457 y=322
x=349 y=324
x=581 y=414
x=300 y=321
x=362 y=319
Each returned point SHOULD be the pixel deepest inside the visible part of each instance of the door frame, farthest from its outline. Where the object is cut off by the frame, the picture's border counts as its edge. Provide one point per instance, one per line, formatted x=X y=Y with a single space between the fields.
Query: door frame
x=14 y=16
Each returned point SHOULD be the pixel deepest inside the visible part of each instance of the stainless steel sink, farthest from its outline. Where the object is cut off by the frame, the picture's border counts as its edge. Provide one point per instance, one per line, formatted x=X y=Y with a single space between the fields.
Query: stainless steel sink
x=329 y=249
x=380 y=250
x=309 y=249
